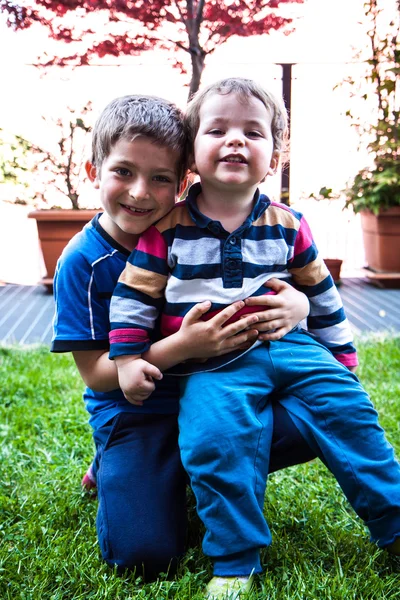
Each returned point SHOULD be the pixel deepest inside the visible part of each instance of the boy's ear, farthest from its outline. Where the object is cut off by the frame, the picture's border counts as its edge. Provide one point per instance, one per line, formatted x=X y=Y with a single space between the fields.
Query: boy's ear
x=91 y=172
x=183 y=185
x=273 y=165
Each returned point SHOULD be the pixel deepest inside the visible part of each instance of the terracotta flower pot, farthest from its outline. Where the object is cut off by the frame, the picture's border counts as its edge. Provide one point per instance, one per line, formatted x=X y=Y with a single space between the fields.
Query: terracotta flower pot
x=55 y=229
x=334 y=265
x=381 y=235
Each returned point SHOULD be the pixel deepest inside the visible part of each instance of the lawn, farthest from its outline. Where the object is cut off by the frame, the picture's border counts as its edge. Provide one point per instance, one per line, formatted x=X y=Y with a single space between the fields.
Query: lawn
x=48 y=548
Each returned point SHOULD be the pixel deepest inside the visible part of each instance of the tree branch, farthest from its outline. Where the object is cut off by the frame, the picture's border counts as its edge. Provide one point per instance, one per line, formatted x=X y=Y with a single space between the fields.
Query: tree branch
x=189 y=4
x=180 y=12
x=199 y=15
x=180 y=45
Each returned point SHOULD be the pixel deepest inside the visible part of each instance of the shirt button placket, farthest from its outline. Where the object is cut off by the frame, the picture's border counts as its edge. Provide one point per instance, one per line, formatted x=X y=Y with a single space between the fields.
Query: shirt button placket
x=232 y=263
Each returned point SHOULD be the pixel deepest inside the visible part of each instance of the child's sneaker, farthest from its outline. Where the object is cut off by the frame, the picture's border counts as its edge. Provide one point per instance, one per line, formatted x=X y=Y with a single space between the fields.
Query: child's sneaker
x=88 y=482
x=228 y=588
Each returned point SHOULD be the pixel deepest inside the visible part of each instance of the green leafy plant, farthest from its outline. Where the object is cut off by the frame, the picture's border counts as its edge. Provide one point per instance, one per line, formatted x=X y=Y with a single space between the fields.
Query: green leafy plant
x=47 y=174
x=325 y=193
x=14 y=169
x=377 y=187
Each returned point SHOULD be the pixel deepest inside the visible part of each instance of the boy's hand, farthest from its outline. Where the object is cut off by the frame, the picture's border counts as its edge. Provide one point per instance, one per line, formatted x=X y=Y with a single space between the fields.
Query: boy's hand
x=203 y=339
x=136 y=378
x=283 y=310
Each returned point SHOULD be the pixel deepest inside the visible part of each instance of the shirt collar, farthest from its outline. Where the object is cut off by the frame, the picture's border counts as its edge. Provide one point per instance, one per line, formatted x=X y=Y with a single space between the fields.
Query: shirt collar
x=260 y=205
x=107 y=237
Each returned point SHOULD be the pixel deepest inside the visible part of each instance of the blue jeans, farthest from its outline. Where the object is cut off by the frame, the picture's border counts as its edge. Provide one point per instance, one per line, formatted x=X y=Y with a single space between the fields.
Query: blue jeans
x=141 y=519
x=226 y=424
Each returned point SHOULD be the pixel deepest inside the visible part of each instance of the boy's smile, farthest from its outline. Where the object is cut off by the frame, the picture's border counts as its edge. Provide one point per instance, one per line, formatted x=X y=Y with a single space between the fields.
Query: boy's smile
x=234 y=158
x=138 y=185
x=233 y=147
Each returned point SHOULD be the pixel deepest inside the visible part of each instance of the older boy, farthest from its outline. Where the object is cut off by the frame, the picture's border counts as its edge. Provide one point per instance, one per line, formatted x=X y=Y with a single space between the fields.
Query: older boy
x=138 y=165
x=223 y=244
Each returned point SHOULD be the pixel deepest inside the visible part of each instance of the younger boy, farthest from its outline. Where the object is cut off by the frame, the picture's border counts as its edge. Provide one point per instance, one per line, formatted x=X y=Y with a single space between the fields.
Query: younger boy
x=138 y=166
x=223 y=244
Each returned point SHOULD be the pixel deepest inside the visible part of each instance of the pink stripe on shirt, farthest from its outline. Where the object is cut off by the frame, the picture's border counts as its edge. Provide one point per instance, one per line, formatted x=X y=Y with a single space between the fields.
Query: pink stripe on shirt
x=170 y=325
x=246 y=310
x=151 y=242
x=304 y=238
x=348 y=360
x=128 y=336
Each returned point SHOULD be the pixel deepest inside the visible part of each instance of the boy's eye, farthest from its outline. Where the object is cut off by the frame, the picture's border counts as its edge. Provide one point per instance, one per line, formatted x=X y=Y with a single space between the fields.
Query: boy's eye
x=254 y=134
x=215 y=132
x=162 y=178
x=124 y=172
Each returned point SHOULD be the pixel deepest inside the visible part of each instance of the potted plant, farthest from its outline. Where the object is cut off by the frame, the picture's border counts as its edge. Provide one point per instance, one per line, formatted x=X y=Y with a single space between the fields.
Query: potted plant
x=375 y=190
x=375 y=194
x=334 y=263
x=55 y=176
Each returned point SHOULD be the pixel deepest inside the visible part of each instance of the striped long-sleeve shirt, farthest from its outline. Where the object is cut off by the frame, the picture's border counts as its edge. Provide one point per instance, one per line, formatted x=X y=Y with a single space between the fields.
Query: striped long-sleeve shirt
x=187 y=258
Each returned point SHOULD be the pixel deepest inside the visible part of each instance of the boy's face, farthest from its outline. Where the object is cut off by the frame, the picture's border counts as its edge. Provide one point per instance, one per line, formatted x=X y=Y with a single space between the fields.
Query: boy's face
x=138 y=184
x=233 y=147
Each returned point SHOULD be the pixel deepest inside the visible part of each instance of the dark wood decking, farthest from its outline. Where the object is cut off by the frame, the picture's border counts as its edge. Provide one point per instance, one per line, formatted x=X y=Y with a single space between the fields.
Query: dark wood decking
x=370 y=308
x=26 y=312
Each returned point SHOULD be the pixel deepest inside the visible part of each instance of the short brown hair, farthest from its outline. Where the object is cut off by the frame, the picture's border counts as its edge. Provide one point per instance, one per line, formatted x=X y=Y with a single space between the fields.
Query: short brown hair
x=245 y=88
x=129 y=116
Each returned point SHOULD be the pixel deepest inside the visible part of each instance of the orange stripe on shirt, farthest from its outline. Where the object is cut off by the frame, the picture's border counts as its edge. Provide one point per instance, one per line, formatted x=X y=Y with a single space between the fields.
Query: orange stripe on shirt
x=151 y=284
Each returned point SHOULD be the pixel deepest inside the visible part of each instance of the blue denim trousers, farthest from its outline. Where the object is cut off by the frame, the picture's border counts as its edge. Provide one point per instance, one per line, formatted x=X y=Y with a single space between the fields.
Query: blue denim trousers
x=141 y=518
x=226 y=425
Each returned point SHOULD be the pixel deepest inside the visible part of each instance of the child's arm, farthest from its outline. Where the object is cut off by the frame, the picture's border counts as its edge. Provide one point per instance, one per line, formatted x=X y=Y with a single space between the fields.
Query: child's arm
x=283 y=311
x=97 y=371
x=195 y=339
x=327 y=319
x=136 y=377
x=205 y=339
x=100 y=373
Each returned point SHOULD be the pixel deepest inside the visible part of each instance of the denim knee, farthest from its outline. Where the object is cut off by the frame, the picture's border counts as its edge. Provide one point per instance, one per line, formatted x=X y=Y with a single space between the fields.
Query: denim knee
x=147 y=560
x=149 y=567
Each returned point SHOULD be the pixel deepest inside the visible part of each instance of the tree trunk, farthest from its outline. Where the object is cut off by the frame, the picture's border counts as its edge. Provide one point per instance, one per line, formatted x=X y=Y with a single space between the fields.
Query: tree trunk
x=197 y=56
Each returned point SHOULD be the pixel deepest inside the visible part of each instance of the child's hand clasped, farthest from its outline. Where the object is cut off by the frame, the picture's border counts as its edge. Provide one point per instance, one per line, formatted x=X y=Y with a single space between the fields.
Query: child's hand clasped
x=136 y=378
x=204 y=339
x=283 y=310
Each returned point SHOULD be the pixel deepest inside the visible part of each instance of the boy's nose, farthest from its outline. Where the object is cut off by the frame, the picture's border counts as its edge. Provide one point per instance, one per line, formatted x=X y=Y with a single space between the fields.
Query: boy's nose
x=235 y=140
x=139 y=190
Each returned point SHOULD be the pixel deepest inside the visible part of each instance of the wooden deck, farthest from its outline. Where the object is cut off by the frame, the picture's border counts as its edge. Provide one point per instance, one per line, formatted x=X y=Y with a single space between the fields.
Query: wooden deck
x=370 y=308
x=26 y=312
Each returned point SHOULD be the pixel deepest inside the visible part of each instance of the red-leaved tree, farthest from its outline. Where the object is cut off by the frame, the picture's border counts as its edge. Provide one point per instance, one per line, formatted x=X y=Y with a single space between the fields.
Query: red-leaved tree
x=128 y=27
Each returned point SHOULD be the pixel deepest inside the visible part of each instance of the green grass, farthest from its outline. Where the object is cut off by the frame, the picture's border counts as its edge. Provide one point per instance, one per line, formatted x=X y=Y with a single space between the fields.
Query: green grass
x=48 y=547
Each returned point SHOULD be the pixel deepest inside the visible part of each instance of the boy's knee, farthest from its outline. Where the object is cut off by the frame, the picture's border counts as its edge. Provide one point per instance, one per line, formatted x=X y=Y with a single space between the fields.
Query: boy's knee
x=148 y=551
x=145 y=562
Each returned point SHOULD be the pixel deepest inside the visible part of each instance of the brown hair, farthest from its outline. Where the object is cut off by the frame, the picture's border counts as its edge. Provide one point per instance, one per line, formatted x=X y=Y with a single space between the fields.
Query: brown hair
x=129 y=116
x=245 y=88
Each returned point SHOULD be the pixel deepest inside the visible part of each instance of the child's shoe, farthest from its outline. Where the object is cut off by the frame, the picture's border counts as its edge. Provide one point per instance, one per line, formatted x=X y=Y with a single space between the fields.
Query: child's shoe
x=88 y=482
x=228 y=588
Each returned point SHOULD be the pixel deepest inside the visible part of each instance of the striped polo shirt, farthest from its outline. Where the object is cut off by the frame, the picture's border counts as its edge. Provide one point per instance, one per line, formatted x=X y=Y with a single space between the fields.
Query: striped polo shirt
x=187 y=258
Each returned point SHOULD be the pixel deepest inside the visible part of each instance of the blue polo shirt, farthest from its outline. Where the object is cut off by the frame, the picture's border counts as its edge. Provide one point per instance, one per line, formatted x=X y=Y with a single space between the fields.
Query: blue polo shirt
x=86 y=274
